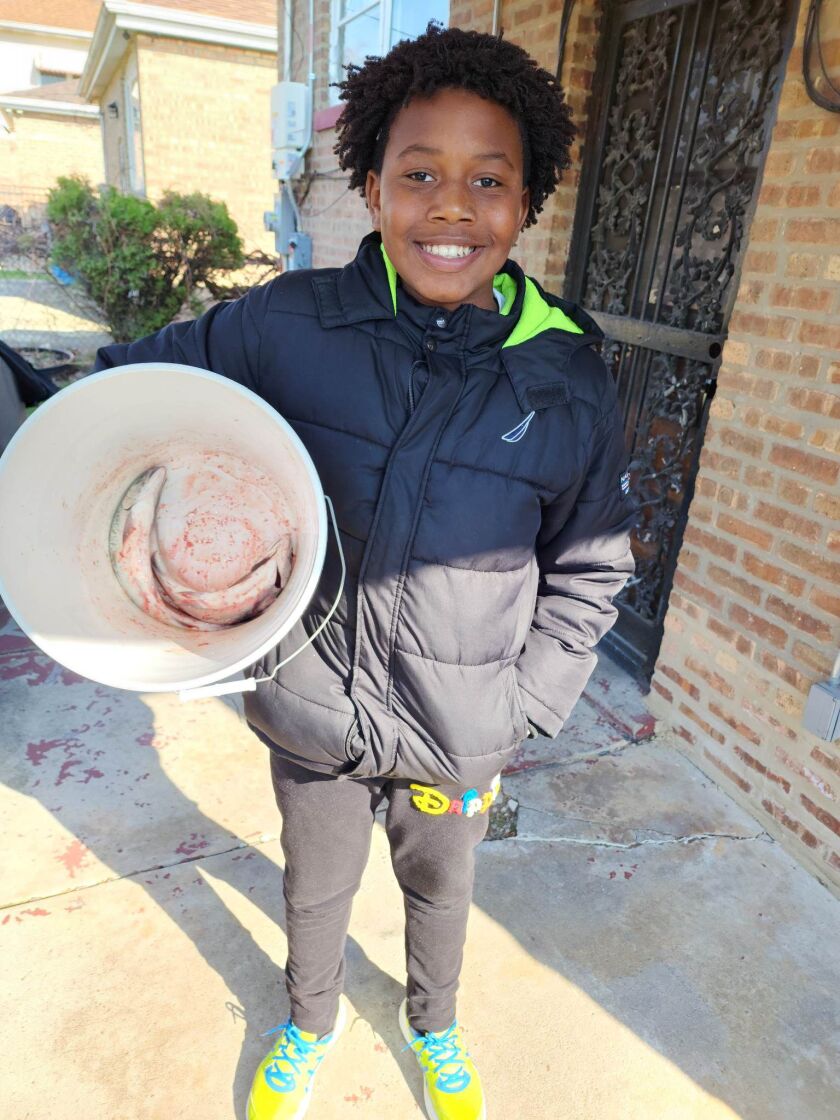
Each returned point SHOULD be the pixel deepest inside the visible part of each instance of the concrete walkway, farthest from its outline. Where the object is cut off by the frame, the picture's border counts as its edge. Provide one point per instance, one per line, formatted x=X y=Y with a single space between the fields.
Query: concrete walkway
x=40 y=312
x=640 y=951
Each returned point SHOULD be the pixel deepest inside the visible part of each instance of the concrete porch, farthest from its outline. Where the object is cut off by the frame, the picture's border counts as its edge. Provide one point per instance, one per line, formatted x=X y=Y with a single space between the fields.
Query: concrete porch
x=641 y=950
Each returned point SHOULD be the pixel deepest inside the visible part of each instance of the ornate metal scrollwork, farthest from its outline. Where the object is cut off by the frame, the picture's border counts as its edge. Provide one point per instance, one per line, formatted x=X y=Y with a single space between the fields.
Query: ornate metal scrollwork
x=684 y=134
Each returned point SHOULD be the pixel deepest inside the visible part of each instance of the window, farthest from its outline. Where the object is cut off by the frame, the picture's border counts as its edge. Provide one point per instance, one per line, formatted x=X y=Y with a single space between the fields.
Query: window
x=47 y=78
x=360 y=28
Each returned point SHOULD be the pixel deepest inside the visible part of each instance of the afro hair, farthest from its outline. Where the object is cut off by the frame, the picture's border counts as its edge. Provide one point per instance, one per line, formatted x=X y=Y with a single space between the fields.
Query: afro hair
x=450 y=58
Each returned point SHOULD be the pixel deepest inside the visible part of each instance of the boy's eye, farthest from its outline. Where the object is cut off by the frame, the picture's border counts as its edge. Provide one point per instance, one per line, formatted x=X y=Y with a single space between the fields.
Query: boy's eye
x=411 y=175
x=488 y=181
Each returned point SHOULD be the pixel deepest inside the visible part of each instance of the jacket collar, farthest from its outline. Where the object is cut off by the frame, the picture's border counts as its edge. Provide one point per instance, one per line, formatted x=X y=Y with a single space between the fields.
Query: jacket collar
x=536 y=333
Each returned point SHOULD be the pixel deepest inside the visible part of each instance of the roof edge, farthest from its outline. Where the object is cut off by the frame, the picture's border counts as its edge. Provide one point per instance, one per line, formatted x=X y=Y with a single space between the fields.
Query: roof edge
x=118 y=16
x=44 y=29
x=49 y=108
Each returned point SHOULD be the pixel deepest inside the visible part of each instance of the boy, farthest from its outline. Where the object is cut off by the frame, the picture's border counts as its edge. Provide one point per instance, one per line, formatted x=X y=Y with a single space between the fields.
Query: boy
x=472 y=444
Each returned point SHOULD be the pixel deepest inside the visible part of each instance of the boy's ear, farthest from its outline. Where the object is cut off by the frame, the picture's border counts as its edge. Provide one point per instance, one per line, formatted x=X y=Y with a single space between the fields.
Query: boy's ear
x=525 y=203
x=373 y=198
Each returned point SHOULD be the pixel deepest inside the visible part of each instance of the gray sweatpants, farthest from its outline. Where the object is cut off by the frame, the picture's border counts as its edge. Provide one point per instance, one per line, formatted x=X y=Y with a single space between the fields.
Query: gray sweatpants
x=325 y=837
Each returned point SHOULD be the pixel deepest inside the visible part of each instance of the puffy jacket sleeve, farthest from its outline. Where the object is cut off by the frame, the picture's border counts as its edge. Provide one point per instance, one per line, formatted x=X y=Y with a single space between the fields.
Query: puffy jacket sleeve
x=584 y=561
x=225 y=340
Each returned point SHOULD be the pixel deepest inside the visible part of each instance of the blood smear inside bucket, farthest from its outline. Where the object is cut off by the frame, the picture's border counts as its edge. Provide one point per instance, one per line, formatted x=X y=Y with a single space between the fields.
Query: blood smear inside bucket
x=206 y=542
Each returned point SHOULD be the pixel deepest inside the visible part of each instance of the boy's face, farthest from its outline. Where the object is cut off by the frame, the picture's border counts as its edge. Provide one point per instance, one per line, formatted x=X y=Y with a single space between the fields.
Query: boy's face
x=451 y=177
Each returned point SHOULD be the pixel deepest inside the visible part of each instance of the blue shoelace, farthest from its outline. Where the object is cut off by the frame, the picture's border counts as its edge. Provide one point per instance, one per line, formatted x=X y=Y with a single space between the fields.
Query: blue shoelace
x=444 y=1050
x=294 y=1050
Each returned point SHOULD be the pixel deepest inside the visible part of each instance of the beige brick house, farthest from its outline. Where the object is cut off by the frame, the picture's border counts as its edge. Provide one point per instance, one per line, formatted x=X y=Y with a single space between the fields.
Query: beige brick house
x=184 y=95
x=726 y=351
x=46 y=128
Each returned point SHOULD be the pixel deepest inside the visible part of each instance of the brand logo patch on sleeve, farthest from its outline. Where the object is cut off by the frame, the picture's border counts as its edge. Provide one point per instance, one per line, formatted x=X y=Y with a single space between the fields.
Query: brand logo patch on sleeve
x=624 y=483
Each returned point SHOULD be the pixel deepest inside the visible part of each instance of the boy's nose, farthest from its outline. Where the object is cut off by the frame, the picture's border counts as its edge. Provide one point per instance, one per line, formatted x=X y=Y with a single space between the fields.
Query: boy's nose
x=452 y=202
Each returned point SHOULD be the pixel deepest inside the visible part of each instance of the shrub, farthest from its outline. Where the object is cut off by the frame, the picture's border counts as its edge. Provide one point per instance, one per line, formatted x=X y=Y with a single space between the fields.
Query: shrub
x=139 y=262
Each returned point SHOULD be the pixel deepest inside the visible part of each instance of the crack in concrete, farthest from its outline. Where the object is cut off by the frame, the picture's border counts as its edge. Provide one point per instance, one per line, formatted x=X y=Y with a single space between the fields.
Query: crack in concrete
x=763 y=837
x=263 y=839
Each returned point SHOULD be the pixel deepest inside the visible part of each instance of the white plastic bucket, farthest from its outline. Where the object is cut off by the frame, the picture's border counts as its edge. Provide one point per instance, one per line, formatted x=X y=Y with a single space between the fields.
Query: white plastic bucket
x=61 y=478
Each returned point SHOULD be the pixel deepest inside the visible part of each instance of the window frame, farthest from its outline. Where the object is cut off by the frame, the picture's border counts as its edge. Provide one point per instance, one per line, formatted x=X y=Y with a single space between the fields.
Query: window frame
x=386 y=11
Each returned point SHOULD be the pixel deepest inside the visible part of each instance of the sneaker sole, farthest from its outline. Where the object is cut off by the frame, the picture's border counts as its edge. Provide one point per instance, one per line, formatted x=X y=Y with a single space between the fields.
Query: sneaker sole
x=431 y=1111
x=340 y=1022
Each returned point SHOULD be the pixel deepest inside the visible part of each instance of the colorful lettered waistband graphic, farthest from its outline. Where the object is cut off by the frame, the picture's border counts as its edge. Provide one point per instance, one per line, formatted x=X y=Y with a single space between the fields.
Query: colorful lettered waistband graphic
x=430 y=800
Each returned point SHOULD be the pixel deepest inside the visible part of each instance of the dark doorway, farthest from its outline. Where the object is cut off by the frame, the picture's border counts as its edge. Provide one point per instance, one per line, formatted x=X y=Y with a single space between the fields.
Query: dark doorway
x=686 y=95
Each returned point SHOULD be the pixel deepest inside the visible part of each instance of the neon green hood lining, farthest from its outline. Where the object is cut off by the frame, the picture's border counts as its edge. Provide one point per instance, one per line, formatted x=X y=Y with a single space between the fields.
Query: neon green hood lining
x=536 y=315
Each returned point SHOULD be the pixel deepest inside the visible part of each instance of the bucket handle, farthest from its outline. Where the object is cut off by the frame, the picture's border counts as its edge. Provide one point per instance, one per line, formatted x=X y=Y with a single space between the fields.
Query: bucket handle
x=249 y=684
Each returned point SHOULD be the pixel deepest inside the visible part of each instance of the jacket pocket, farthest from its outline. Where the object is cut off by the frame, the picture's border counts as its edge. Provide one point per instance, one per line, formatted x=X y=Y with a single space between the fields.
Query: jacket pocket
x=520 y=716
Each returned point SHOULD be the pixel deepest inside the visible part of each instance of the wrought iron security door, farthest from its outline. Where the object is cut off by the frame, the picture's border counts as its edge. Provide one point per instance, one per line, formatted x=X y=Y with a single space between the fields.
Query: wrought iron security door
x=686 y=92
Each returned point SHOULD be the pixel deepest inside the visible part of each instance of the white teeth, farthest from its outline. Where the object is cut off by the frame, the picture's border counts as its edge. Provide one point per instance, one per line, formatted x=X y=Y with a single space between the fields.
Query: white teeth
x=448 y=250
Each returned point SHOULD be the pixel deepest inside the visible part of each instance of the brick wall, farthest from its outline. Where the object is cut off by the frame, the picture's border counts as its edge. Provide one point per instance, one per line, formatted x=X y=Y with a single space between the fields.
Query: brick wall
x=206 y=126
x=753 y=619
x=338 y=219
x=39 y=149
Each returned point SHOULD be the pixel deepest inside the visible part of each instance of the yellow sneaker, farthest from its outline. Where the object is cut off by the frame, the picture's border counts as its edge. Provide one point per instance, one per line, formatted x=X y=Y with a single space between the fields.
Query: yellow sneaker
x=451 y=1085
x=282 y=1086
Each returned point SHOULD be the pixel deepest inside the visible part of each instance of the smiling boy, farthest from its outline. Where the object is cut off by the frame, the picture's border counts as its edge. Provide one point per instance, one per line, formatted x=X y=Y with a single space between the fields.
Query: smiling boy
x=471 y=440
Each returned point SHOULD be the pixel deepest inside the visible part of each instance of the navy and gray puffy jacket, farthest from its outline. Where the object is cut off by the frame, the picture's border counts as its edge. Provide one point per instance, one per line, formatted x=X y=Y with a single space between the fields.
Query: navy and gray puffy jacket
x=476 y=461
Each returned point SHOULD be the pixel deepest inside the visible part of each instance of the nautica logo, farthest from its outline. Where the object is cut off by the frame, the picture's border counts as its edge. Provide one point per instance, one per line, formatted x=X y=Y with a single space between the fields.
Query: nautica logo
x=516 y=434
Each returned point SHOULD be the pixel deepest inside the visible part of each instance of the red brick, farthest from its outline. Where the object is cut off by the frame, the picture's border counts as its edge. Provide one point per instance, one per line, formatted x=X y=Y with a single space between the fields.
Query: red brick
x=797 y=767
x=735 y=499
x=697 y=590
x=757 y=625
x=825 y=404
x=807 y=299
x=744 y=530
x=816 y=660
x=794 y=826
x=816 y=231
x=805 y=266
x=793 y=492
x=798 y=617
x=804 y=194
x=721 y=464
x=822 y=160
x=808 y=365
x=735 y=723
x=828 y=603
x=822 y=815
x=779 y=361
x=828 y=505
x=712 y=732
x=743 y=645
x=811 y=561
x=788 y=673
x=832 y=764
x=759 y=478
x=742 y=783
x=762 y=716
x=825 y=335
x=747 y=445
x=803 y=462
x=718 y=546
x=769 y=573
x=761 y=260
x=760 y=768
x=665 y=693
x=713 y=680
x=686 y=685
x=765 y=326
x=781 y=518
x=724 y=577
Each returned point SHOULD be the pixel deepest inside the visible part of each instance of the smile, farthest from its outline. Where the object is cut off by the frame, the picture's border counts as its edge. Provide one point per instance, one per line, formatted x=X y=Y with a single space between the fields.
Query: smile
x=450 y=251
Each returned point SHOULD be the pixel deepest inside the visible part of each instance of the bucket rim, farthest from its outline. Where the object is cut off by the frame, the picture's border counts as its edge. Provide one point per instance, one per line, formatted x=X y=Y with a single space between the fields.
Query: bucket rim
x=306 y=592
